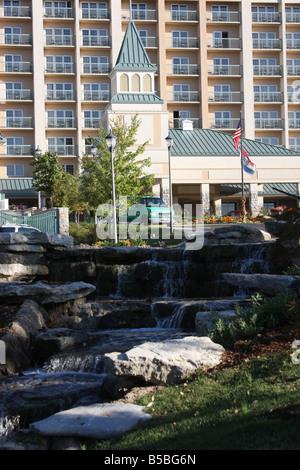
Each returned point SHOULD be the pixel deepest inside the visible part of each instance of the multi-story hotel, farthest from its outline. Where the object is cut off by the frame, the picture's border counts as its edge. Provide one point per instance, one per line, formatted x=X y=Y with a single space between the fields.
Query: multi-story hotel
x=59 y=64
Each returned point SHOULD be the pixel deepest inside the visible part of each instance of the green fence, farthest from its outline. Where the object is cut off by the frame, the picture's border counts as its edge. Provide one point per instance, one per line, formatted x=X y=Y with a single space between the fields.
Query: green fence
x=46 y=222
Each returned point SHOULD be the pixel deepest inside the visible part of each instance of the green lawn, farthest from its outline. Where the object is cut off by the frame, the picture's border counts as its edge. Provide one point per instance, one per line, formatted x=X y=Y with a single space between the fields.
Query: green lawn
x=238 y=408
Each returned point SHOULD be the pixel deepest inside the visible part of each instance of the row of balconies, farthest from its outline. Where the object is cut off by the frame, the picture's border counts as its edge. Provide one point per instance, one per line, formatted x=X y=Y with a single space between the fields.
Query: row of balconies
x=146 y=14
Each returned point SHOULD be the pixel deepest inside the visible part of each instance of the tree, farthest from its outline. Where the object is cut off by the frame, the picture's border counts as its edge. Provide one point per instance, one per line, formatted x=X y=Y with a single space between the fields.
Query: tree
x=68 y=193
x=47 y=170
x=130 y=175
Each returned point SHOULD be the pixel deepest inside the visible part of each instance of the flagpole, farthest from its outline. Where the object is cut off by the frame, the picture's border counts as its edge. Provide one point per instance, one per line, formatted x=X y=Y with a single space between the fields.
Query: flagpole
x=242 y=174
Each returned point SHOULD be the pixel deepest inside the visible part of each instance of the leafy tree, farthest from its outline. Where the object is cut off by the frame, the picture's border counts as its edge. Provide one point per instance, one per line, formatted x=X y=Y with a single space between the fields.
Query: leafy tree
x=47 y=170
x=129 y=168
x=68 y=193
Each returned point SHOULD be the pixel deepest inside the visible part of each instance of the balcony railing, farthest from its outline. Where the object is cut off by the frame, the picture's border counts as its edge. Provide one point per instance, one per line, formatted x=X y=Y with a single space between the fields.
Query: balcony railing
x=60 y=40
x=96 y=96
x=224 y=123
x=16 y=67
x=8 y=39
x=294 y=123
x=18 y=95
x=92 y=123
x=271 y=70
x=225 y=70
x=293 y=70
x=294 y=96
x=292 y=17
x=96 y=68
x=59 y=12
x=54 y=95
x=187 y=96
x=60 y=68
x=184 y=69
x=62 y=123
x=267 y=44
x=226 y=96
x=63 y=149
x=224 y=43
x=178 y=43
x=19 y=150
x=150 y=41
x=177 y=123
x=95 y=13
x=295 y=148
x=16 y=11
x=223 y=16
x=188 y=15
x=268 y=97
x=268 y=17
x=98 y=41
x=17 y=122
x=271 y=123
x=293 y=43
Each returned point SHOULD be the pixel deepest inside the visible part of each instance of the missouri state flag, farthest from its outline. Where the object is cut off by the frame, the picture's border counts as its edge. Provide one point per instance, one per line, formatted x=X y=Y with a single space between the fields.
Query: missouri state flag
x=248 y=166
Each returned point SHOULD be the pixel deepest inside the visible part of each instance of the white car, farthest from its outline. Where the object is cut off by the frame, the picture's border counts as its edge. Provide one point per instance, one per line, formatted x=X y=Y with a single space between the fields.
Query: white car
x=13 y=228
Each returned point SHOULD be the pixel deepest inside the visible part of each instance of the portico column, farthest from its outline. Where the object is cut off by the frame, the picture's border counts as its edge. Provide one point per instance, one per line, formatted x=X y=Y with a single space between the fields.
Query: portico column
x=205 y=197
x=256 y=201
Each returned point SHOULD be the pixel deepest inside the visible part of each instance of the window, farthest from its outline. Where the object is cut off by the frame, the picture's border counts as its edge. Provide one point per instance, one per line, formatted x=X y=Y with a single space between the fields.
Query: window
x=11 y=7
x=147 y=85
x=59 y=91
x=68 y=168
x=14 y=170
x=14 y=117
x=292 y=14
x=220 y=39
x=144 y=36
x=181 y=92
x=179 y=12
x=135 y=83
x=13 y=63
x=91 y=119
x=95 y=64
x=139 y=11
x=293 y=66
x=293 y=40
x=294 y=119
x=219 y=12
x=268 y=140
x=264 y=40
x=180 y=38
x=59 y=64
x=94 y=10
x=265 y=93
x=221 y=66
x=59 y=36
x=180 y=65
x=94 y=37
x=263 y=13
x=14 y=145
x=96 y=92
x=223 y=119
x=124 y=82
x=57 y=9
x=12 y=35
x=61 y=145
x=294 y=143
x=264 y=66
x=13 y=90
x=266 y=119
x=221 y=92
x=60 y=118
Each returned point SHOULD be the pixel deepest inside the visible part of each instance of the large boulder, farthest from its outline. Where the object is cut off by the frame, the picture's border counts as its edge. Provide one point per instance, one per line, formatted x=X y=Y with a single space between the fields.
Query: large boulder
x=166 y=362
x=238 y=234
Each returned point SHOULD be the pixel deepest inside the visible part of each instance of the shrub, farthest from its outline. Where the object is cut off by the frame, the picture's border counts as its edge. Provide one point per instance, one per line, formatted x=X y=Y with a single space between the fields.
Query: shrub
x=84 y=233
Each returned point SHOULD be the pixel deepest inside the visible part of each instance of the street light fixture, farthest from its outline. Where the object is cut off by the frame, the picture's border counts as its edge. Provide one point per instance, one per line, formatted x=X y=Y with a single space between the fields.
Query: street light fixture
x=111 y=143
x=38 y=151
x=169 y=142
x=94 y=150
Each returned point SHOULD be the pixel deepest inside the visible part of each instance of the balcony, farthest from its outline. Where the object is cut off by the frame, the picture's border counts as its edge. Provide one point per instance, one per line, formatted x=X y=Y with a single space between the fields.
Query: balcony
x=184 y=42
x=293 y=43
x=268 y=97
x=61 y=123
x=17 y=122
x=59 y=12
x=187 y=15
x=16 y=67
x=68 y=68
x=224 y=123
x=63 y=150
x=96 y=96
x=184 y=69
x=96 y=41
x=96 y=68
x=217 y=70
x=18 y=95
x=266 y=17
x=15 y=12
x=91 y=123
x=271 y=123
x=95 y=13
x=54 y=95
x=60 y=40
x=267 y=44
x=19 y=150
x=184 y=96
x=15 y=39
x=293 y=70
x=140 y=15
x=224 y=43
x=292 y=17
x=294 y=123
x=267 y=70
x=150 y=42
x=223 y=16
x=225 y=97
x=177 y=123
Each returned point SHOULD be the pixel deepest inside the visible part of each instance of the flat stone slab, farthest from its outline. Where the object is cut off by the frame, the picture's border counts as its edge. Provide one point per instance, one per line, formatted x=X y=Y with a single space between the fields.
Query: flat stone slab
x=98 y=421
x=271 y=284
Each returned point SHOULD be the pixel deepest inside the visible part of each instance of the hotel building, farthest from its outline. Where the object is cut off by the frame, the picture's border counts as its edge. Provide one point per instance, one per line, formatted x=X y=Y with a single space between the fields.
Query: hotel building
x=205 y=62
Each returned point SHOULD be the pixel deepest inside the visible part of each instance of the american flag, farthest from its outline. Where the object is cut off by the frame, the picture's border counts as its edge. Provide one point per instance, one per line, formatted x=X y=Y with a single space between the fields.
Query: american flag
x=237 y=136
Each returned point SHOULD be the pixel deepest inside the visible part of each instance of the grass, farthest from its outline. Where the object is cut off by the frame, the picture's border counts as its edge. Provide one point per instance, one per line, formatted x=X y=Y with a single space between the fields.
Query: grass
x=222 y=409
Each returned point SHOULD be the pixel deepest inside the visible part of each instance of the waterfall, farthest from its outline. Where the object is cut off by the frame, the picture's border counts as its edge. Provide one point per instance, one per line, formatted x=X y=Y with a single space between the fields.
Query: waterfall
x=253 y=260
x=7 y=424
x=75 y=362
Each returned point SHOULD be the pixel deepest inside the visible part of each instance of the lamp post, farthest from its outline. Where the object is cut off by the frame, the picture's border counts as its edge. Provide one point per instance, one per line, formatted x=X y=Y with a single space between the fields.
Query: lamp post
x=111 y=143
x=169 y=142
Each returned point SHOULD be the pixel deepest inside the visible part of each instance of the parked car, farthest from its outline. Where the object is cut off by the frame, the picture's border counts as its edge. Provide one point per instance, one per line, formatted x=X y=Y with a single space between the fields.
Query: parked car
x=157 y=211
x=237 y=213
x=15 y=228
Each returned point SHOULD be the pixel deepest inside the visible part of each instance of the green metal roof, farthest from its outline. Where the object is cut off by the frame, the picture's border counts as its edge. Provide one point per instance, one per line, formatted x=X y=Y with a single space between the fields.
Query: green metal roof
x=136 y=98
x=208 y=142
x=133 y=55
x=17 y=187
x=268 y=189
